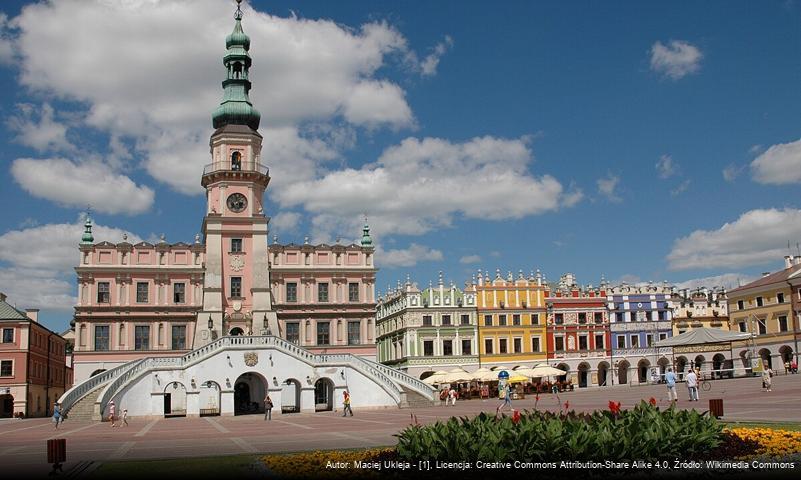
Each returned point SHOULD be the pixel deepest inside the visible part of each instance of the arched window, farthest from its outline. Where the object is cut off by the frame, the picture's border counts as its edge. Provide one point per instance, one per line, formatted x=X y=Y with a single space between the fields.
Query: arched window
x=236 y=161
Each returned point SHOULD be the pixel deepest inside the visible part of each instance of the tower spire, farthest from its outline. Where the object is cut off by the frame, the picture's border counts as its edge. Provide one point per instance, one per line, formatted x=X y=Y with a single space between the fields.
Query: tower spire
x=367 y=241
x=87 y=238
x=236 y=108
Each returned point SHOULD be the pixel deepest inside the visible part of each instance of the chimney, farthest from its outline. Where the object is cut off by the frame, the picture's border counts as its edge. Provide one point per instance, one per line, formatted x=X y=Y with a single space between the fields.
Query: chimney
x=788 y=261
x=2 y=297
x=797 y=260
x=33 y=314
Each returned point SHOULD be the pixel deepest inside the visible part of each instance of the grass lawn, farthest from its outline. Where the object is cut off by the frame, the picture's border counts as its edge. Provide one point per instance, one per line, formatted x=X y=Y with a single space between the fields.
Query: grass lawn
x=235 y=466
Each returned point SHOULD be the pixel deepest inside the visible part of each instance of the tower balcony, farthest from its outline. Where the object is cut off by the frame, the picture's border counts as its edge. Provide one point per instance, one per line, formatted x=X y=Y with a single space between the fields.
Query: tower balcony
x=232 y=170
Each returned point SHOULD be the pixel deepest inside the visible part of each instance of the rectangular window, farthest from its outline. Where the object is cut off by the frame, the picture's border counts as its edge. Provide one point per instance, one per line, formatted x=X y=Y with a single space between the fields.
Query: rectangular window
x=599 y=342
x=583 y=344
x=487 y=320
x=783 y=323
x=179 y=293
x=446 y=319
x=621 y=341
x=488 y=346
x=501 y=345
x=465 y=319
x=103 y=292
x=535 y=344
x=427 y=321
x=101 y=338
x=236 y=287
x=142 y=337
x=779 y=298
x=619 y=317
x=179 y=337
x=649 y=339
x=428 y=348
x=559 y=318
x=6 y=368
x=293 y=332
x=141 y=292
x=354 y=333
x=502 y=321
x=236 y=245
x=467 y=347
x=661 y=315
x=559 y=344
x=516 y=319
x=740 y=305
x=743 y=327
x=517 y=345
x=663 y=336
x=635 y=341
x=763 y=328
x=8 y=335
x=353 y=292
x=323 y=331
x=535 y=318
x=582 y=317
x=759 y=301
x=322 y=292
x=599 y=317
x=447 y=347
x=291 y=292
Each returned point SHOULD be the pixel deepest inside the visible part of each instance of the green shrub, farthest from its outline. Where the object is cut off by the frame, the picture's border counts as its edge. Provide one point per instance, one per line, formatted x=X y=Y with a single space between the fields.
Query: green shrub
x=644 y=432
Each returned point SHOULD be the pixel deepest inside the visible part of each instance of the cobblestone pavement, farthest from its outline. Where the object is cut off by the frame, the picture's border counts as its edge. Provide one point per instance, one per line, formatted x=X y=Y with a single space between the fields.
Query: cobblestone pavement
x=23 y=446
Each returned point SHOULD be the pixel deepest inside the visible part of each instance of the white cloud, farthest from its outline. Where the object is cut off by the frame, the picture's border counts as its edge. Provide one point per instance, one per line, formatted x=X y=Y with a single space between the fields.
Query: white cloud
x=681 y=188
x=158 y=82
x=665 y=167
x=758 y=237
x=429 y=65
x=38 y=262
x=77 y=185
x=607 y=186
x=467 y=259
x=675 y=60
x=285 y=222
x=732 y=171
x=422 y=184
x=779 y=165
x=727 y=280
x=46 y=134
x=407 y=257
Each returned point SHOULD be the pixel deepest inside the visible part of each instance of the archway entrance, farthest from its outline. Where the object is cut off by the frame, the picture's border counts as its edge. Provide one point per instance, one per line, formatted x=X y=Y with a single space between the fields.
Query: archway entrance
x=564 y=367
x=209 y=396
x=642 y=370
x=323 y=395
x=175 y=400
x=764 y=354
x=6 y=406
x=623 y=372
x=787 y=355
x=290 y=396
x=663 y=365
x=236 y=331
x=603 y=372
x=717 y=364
x=249 y=393
x=583 y=375
x=699 y=362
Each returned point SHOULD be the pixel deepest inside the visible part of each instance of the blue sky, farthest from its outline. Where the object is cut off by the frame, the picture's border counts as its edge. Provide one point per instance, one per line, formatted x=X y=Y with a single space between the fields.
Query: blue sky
x=642 y=141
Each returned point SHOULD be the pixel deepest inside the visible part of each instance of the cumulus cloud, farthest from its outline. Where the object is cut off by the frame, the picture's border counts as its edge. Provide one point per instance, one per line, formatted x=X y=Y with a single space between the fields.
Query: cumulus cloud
x=727 y=280
x=42 y=135
x=422 y=184
x=407 y=257
x=665 y=167
x=778 y=165
x=77 y=185
x=41 y=274
x=732 y=171
x=428 y=67
x=758 y=237
x=676 y=59
x=286 y=222
x=607 y=186
x=155 y=86
x=468 y=259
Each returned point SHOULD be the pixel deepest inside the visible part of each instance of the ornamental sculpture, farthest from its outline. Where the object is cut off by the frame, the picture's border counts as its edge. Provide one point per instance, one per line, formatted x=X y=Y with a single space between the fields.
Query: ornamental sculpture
x=251 y=359
x=237 y=263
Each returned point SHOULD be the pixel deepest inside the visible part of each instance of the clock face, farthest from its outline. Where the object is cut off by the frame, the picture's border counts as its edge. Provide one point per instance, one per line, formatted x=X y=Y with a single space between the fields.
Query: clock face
x=237 y=202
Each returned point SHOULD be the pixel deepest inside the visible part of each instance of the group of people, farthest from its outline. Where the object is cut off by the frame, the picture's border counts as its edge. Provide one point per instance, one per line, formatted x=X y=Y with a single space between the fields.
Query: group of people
x=692 y=379
x=791 y=366
x=268 y=406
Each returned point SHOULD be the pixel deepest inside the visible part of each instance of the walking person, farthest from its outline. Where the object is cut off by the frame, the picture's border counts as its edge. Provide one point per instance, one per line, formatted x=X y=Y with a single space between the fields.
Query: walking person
x=692 y=385
x=112 y=410
x=56 y=415
x=506 y=394
x=346 y=404
x=767 y=378
x=124 y=419
x=268 y=407
x=452 y=396
x=670 y=380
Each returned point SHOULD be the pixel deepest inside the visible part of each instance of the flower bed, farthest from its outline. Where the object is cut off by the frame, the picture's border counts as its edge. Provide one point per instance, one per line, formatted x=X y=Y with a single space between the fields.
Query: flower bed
x=327 y=463
x=769 y=442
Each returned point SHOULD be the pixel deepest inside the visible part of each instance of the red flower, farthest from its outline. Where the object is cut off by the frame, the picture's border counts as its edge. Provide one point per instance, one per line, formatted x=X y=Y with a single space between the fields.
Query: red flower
x=652 y=401
x=515 y=416
x=614 y=407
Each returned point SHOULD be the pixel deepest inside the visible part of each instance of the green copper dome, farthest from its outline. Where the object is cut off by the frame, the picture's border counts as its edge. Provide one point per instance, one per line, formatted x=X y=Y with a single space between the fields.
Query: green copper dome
x=236 y=108
x=367 y=241
x=87 y=237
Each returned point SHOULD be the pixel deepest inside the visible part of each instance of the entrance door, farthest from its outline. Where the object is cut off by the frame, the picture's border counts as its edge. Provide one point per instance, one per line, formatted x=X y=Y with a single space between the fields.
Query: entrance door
x=6 y=406
x=167 y=403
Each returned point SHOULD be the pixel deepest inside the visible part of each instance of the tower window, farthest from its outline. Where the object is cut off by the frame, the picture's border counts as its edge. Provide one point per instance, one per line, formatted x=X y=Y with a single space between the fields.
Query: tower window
x=236 y=245
x=236 y=161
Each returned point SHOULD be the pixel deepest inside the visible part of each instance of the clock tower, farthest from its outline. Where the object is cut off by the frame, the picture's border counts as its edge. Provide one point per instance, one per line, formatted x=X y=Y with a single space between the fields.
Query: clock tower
x=236 y=294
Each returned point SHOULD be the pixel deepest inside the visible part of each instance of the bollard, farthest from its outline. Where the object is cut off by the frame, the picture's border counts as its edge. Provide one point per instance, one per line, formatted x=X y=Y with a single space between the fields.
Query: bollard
x=57 y=453
x=716 y=407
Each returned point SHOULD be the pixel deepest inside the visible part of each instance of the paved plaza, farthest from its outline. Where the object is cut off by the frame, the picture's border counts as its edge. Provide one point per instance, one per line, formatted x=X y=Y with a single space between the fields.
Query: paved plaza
x=23 y=446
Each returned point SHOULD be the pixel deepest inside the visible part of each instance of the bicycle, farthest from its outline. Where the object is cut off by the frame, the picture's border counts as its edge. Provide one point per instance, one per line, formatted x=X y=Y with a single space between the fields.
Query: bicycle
x=706 y=384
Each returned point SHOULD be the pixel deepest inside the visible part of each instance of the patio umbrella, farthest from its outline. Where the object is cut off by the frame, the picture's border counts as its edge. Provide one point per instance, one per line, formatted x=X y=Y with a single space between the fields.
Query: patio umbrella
x=517 y=378
x=457 y=375
x=437 y=377
x=543 y=370
x=526 y=371
x=480 y=373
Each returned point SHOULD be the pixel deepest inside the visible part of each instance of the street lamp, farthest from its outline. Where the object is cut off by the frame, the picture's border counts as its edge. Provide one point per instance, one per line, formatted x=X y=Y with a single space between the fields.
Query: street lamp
x=211 y=323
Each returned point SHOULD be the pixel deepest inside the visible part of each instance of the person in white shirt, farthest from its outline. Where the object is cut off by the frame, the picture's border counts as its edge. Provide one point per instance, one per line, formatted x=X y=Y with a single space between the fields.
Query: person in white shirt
x=692 y=385
x=452 y=396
